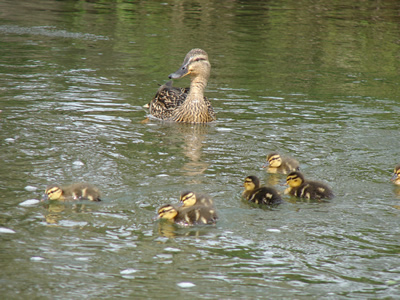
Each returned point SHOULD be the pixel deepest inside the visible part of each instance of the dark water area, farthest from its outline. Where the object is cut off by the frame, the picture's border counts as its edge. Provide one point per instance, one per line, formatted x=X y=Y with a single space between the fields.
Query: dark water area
x=315 y=80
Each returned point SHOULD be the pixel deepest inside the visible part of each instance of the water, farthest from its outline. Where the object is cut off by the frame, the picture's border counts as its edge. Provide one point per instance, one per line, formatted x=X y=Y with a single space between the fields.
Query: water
x=317 y=81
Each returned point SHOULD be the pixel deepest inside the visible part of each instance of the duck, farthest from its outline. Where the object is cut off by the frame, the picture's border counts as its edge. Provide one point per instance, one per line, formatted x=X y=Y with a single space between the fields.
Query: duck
x=190 y=198
x=396 y=175
x=77 y=191
x=278 y=164
x=255 y=193
x=186 y=105
x=187 y=216
x=299 y=187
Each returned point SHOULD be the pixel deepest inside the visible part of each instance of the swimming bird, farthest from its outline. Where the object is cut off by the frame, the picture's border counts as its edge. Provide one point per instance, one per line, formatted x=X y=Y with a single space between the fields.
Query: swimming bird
x=396 y=175
x=278 y=164
x=302 y=188
x=77 y=191
x=190 y=198
x=187 y=216
x=186 y=105
x=260 y=195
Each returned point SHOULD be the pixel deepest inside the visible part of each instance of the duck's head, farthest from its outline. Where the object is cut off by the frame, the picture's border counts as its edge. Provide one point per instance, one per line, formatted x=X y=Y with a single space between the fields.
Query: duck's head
x=52 y=192
x=167 y=212
x=274 y=160
x=251 y=183
x=396 y=175
x=188 y=198
x=195 y=63
x=294 y=179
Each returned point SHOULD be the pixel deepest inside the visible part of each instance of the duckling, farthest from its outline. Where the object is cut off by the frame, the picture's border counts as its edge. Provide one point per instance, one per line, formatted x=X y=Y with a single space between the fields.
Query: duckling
x=77 y=191
x=260 y=195
x=186 y=105
x=396 y=175
x=189 y=198
x=302 y=188
x=194 y=215
x=278 y=164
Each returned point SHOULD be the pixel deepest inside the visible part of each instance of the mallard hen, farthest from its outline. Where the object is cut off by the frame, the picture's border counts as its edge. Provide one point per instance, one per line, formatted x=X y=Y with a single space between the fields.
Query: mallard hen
x=186 y=105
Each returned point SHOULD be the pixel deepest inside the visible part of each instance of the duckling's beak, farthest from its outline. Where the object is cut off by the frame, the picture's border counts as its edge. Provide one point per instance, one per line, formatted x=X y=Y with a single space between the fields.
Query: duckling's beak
x=266 y=165
x=394 y=177
x=45 y=198
x=182 y=71
x=156 y=217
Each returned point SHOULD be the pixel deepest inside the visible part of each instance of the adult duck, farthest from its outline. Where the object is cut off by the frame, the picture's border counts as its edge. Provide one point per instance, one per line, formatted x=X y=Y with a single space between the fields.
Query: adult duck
x=186 y=105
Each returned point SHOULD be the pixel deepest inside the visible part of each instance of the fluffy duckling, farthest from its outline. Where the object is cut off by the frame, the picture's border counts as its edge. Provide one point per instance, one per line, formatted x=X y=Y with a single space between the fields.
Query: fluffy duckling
x=186 y=105
x=302 y=188
x=260 y=195
x=194 y=215
x=277 y=164
x=396 y=175
x=77 y=191
x=189 y=198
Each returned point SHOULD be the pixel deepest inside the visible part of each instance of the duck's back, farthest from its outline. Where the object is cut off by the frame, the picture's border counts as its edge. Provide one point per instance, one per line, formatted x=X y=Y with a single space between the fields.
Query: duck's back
x=166 y=100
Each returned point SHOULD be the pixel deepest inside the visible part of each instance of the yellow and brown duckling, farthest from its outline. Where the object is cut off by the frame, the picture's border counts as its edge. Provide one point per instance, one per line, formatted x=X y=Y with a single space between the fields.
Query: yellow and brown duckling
x=77 y=191
x=253 y=192
x=278 y=164
x=186 y=105
x=302 y=188
x=187 y=216
x=190 y=198
x=396 y=175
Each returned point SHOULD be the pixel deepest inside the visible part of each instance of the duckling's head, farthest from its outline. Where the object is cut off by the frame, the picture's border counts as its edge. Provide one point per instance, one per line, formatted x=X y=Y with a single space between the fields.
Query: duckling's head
x=53 y=192
x=274 y=160
x=396 y=175
x=294 y=179
x=251 y=183
x=188 y=198
x=195 y=63
x=167 y=212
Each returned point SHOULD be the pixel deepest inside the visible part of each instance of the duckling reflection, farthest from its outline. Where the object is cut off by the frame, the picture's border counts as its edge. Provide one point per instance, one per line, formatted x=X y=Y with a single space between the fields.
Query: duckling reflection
x=307 y=189
x=278 y=164
x=57 y=209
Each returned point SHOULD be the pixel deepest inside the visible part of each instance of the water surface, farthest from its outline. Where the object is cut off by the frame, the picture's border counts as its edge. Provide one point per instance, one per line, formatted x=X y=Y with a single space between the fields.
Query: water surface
x=316 y=81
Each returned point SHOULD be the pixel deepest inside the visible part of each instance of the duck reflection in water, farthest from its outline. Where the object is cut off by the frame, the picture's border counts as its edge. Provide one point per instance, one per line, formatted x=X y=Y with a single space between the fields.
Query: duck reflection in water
x=57 y=210
x=191 y=138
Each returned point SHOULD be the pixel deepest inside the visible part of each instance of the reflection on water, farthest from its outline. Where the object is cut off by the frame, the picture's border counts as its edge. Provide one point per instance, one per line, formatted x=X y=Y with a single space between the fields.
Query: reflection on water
x=194 y=137
x=316 y=80
x=59 y=210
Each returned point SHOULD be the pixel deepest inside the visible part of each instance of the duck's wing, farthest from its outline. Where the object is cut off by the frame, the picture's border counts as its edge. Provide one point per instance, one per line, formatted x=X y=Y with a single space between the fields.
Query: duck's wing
x=166 y=100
